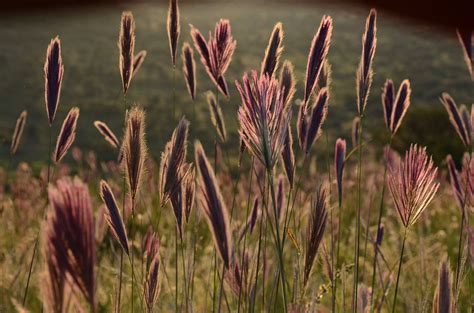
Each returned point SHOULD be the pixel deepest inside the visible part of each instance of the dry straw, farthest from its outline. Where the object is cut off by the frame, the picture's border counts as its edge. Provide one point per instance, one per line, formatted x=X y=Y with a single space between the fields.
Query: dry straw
x=273 y=51
x=213 y=206
x=53 y=78
x=113 y=216
x=189 y=69
x=126 y=46
x=173 y=28
x=19 y=127
x=66 y=135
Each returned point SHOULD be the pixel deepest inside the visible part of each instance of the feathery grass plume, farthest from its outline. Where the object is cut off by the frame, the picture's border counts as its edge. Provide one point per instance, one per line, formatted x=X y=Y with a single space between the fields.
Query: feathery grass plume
x=150 y=246
x=400 y=106
x=314 y=232
x=364 y=72
x=19 y=127
x=413 y=184
x=466 y=38
x=263 y=119
x=54 y=281
x=339 y=162
x=280 y=199
x=189 y=69
x=107 y=133
x=443 y=297
x=134 y=149
x=66 y=135
x=217 y=117
x=213 y=206
x=113 y=216
x=456 y=119
x=70 y=233
x=233 y=277
x=388 y=98
x=355 y=131
x=317 y=55
x=173 y=28
x=189 y=190
x=53 y=78
x=455 y=181
x=172 y=167
x=252 y=219
x=138 y=61
x=151 y=288
x=288 y=157
x=309 y=127
x=216 y=53
x=287 y=82
x=126 y=46
x=273 y=51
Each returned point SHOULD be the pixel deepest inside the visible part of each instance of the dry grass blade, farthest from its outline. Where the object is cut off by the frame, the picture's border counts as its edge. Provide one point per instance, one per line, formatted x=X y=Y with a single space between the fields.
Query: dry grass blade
x=317 y=55
x=314 y=232
x=273 y=51
x=53 y=78
x=107 y=133
x=173 y=28
x=456 y=119
x=66 y=135
x=134 y=149
x=138 y=61
x=355 y=132
x=126 y=46
x=466 y=38
x=213 y=206
x=189 y=69
x=217 y=117
x=364 y=72
x=113 y=216
x=19 y=127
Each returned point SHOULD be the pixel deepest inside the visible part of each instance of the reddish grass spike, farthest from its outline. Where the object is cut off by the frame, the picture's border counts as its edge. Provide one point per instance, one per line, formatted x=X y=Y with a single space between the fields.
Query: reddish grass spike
x=388 y=98
x=113 y=216
x=17 y=133
x=66 y=135
x=317 y=55
x=151 y=288
x=339 y=162
x=134 y=149
x=217 y=117
x=455 y=181
x=314 y=231
x=288 y=157
x=189 y=189
x=456 y=119
x=71 y=214
x=173 y=28
x=443 y=297
x=355 y=132
x=126 y=46
x=273 y=51
x=413 y=184
x=107 y=133
x=53 y=78
x=138 y=61
x=252 y=219
x=364 y=72
x=213 y=206
x=317 y=119
x=287 y=83
x=466 y=38
x=189 y=69
x=400 y=106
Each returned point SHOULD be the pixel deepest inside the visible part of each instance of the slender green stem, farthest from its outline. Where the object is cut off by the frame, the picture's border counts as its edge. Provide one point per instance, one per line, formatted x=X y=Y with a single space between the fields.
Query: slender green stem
x=184 y=275
x=30 y=269
x=358 y=222
x=131 y=251
x=214 y=289
x=221 y=288
x=174 y=93
x=176 y=270
x=400 y=262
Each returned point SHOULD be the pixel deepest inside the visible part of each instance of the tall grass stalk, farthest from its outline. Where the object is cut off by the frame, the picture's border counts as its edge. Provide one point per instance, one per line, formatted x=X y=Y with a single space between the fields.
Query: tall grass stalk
x=400 y=262
x=35 y=247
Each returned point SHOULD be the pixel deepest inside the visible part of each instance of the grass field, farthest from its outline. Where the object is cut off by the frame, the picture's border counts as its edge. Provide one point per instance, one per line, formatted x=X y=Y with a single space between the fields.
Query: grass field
x=297 y=222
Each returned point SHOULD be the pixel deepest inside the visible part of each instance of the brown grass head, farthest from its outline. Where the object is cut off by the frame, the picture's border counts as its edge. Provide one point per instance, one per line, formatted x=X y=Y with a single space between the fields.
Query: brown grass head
x=443 y=297
x=466 y=38
x=138 y=61
x=217 y=118
x=173 y=28
x=113 y=216
x=456 y=119
x=339 y=162
x=213 y=206
x=189 y=69
x=151 y=286
x=310 y=130
x=400 y=106
x=66 y=135
x=189 y=190
x=53 y=78
x=107 y=133
x=19 y=127
x=273 y=51
x=287 y=82
x=364 y=72
x=355 y=132
x=126 y=46
x=288 y=157
x=455 y=181
x=134 y=149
